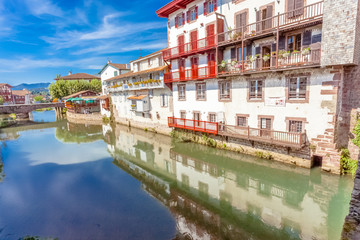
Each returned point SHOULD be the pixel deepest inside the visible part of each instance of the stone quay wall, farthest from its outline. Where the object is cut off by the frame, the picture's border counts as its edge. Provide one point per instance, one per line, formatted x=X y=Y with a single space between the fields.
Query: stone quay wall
x=84 y=118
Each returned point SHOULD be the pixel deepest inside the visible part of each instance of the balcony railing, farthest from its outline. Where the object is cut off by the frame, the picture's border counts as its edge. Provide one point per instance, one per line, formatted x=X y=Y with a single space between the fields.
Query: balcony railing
x=194 y=125
x=288 y=139
x=295 y=18
x=190 y=48
x=190 y=74
x=256 y=64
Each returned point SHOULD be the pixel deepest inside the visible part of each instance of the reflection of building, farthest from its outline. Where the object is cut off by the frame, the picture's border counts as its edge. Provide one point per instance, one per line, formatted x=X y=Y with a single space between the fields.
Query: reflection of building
x=78 y=133
x=217 y=195
x=265 y=72
x=140 y=97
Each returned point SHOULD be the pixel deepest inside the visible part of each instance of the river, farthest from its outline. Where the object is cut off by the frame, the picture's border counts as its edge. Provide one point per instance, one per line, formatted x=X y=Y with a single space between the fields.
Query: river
x=72 y=181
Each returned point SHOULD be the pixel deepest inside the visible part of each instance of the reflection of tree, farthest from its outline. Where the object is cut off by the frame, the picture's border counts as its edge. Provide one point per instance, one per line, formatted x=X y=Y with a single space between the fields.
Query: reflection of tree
x=37 y=238
x=79 y=133
x=2 y=175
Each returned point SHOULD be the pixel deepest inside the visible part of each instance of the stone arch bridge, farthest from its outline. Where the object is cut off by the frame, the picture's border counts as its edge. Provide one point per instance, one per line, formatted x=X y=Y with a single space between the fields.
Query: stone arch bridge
x=22 y=111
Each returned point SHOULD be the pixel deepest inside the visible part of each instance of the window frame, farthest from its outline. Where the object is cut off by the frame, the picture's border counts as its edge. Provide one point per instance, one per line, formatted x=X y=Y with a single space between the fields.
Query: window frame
x=164 y=101
x=295 y=119
x=220 y=95
x=262 y=92
x=245 y=117
x=307 y=92
x=181 y=113
x=210 y=115
x=202 y=88
x=184 y=97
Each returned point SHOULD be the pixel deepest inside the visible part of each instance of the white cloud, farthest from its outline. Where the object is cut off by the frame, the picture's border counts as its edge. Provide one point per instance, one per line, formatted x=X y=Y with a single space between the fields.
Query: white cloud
x=43 y=7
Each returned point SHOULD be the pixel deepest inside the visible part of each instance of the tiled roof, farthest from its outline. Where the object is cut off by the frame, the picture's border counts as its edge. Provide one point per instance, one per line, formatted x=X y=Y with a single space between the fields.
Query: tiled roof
x=5 y=84
x=79 y=93
x=154 y=53
x=21 y=92
x=130 y=74
x=137 y=97
x=77 y=76
x=119 y=66
x=103 y=97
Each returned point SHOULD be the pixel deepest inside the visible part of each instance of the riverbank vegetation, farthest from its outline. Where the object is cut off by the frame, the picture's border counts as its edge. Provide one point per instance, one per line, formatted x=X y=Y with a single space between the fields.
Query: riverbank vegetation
x=348 y=165
x=62 y=88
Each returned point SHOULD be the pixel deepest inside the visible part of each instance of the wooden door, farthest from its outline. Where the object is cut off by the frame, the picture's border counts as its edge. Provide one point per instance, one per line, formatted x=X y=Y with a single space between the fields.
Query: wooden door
x=182 y=69
x=193 y=40
x=181 y=41
x=266 y=50
x=210 y=35
x=194 y=68
x=211 y=64
x=265 y=126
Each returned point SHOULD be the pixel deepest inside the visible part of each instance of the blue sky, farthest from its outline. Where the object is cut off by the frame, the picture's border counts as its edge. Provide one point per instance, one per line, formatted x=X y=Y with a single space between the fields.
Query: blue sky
x=41 y=38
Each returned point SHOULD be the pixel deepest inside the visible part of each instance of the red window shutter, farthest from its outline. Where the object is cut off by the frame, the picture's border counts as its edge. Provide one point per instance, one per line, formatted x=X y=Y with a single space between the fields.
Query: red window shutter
x=183 y=19
x=188 y=16
x=215 y=5
x=205 y=7
x=176 y=22
x=196 y=12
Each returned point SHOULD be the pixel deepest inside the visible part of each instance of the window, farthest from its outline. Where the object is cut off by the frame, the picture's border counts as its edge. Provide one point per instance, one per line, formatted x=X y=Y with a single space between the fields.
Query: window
x=224 y=90
x=201 y=91
x=197 y=116
x=297 y=88
x=180 y=20
x=241 y=121
x=210 y=6
x=150 y=61
x=151 y=93
x=183 y=114
x=163 y=100
x=240 y=21
x=115 y=73
x=295 y=126
x=294 y=42
x=212 y=117
x=182 y=91
x=192 y=14
x=256 y=87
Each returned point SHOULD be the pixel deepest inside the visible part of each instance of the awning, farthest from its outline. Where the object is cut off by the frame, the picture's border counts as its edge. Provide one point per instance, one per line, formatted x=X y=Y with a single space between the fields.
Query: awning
x=137 y=97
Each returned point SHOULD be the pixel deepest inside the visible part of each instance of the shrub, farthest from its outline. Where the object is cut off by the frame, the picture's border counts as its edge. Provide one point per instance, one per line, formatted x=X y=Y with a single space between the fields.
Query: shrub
x=105 y=119
x=348 y=165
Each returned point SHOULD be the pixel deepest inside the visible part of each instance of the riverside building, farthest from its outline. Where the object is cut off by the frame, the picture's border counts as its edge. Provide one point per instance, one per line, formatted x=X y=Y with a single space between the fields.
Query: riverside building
x=140 y=97
x=275 y=76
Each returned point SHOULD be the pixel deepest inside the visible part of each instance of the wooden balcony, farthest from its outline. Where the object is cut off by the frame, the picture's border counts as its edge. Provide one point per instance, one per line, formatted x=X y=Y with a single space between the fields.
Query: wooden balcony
x=194 y=125
x=280 y=62
x=190 y=48
x=287 y=139
x=191 y=74
x=298 y=18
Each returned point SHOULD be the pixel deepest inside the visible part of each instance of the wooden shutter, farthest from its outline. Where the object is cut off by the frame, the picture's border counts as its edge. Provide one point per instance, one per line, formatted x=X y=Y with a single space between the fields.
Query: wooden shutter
x=269 y=14
x=282 y=41
x=188 y=16
x=258 y=23
x=290 y=8
x=205 y=7
x=233 y=53
x=176 y=21
x=243 y=19
x=183 y=19
x=249 y=50
x=299 y=4
x=196 y=12
x=215 y=5
x=238 y=21
x=306 y=38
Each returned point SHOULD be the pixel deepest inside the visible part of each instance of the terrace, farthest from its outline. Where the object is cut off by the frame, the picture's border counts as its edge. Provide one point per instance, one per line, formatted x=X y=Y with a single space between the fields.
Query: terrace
x=287 y=139
x=191 y=74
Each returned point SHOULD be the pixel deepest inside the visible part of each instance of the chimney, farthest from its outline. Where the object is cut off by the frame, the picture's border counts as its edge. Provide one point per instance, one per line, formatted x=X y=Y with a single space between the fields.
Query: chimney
x=108 y=60
x=70 y=73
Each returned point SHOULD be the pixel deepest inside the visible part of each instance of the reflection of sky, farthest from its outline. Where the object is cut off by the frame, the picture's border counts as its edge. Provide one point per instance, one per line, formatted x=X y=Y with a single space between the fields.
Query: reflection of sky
x=45 y=116
x=45 y=148
x=85 y=197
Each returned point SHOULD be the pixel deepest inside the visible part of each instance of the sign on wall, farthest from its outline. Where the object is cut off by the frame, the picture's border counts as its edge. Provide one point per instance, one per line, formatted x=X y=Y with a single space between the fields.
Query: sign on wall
x=275 y=102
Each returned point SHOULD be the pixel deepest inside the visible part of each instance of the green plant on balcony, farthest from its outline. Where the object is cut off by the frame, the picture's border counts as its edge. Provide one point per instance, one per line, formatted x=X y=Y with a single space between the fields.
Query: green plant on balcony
x=266 y=57
x=295 y=52
x=223 y=66
x=253 y=58
x=305 y=51
x=284 y=54
x=236 y=36
x=233 y=63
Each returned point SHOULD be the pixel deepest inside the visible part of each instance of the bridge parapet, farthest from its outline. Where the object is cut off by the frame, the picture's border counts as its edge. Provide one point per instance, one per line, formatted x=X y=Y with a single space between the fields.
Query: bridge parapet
x=26 y=108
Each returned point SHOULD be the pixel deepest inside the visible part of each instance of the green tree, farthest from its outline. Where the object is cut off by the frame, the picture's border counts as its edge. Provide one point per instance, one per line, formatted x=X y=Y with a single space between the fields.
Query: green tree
x=95 y=85
x=62 y=88
x=38 y=98
x=1 y=100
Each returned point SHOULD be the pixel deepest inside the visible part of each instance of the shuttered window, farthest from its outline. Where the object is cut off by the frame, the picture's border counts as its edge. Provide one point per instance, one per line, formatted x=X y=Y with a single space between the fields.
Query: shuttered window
x=210 y=6
x=255 y=90
x=295 y=8
x=297 y=87
x=241 y=20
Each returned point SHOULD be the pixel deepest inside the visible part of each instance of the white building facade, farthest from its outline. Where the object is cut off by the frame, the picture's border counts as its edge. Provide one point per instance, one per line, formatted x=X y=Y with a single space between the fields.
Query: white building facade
x=140 y=98
x=260 y=71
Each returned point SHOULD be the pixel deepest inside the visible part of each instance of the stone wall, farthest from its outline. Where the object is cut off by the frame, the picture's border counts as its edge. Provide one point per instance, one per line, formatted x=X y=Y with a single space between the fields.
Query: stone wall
x=340 y=28
x=84 y=118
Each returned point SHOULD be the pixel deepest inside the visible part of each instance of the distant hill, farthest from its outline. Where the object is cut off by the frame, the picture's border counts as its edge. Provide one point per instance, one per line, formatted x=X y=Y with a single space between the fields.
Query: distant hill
x=31 y=86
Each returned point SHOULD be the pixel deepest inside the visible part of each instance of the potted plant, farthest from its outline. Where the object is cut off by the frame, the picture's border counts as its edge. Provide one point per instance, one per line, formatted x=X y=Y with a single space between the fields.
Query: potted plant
x=286 y=54
x=223 y=66
x=253 y=58
x=266 y=57
x=305 y=51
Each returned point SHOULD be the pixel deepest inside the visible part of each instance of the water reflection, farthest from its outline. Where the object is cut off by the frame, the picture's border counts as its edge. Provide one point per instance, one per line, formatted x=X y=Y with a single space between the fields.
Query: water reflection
x=216 y=194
